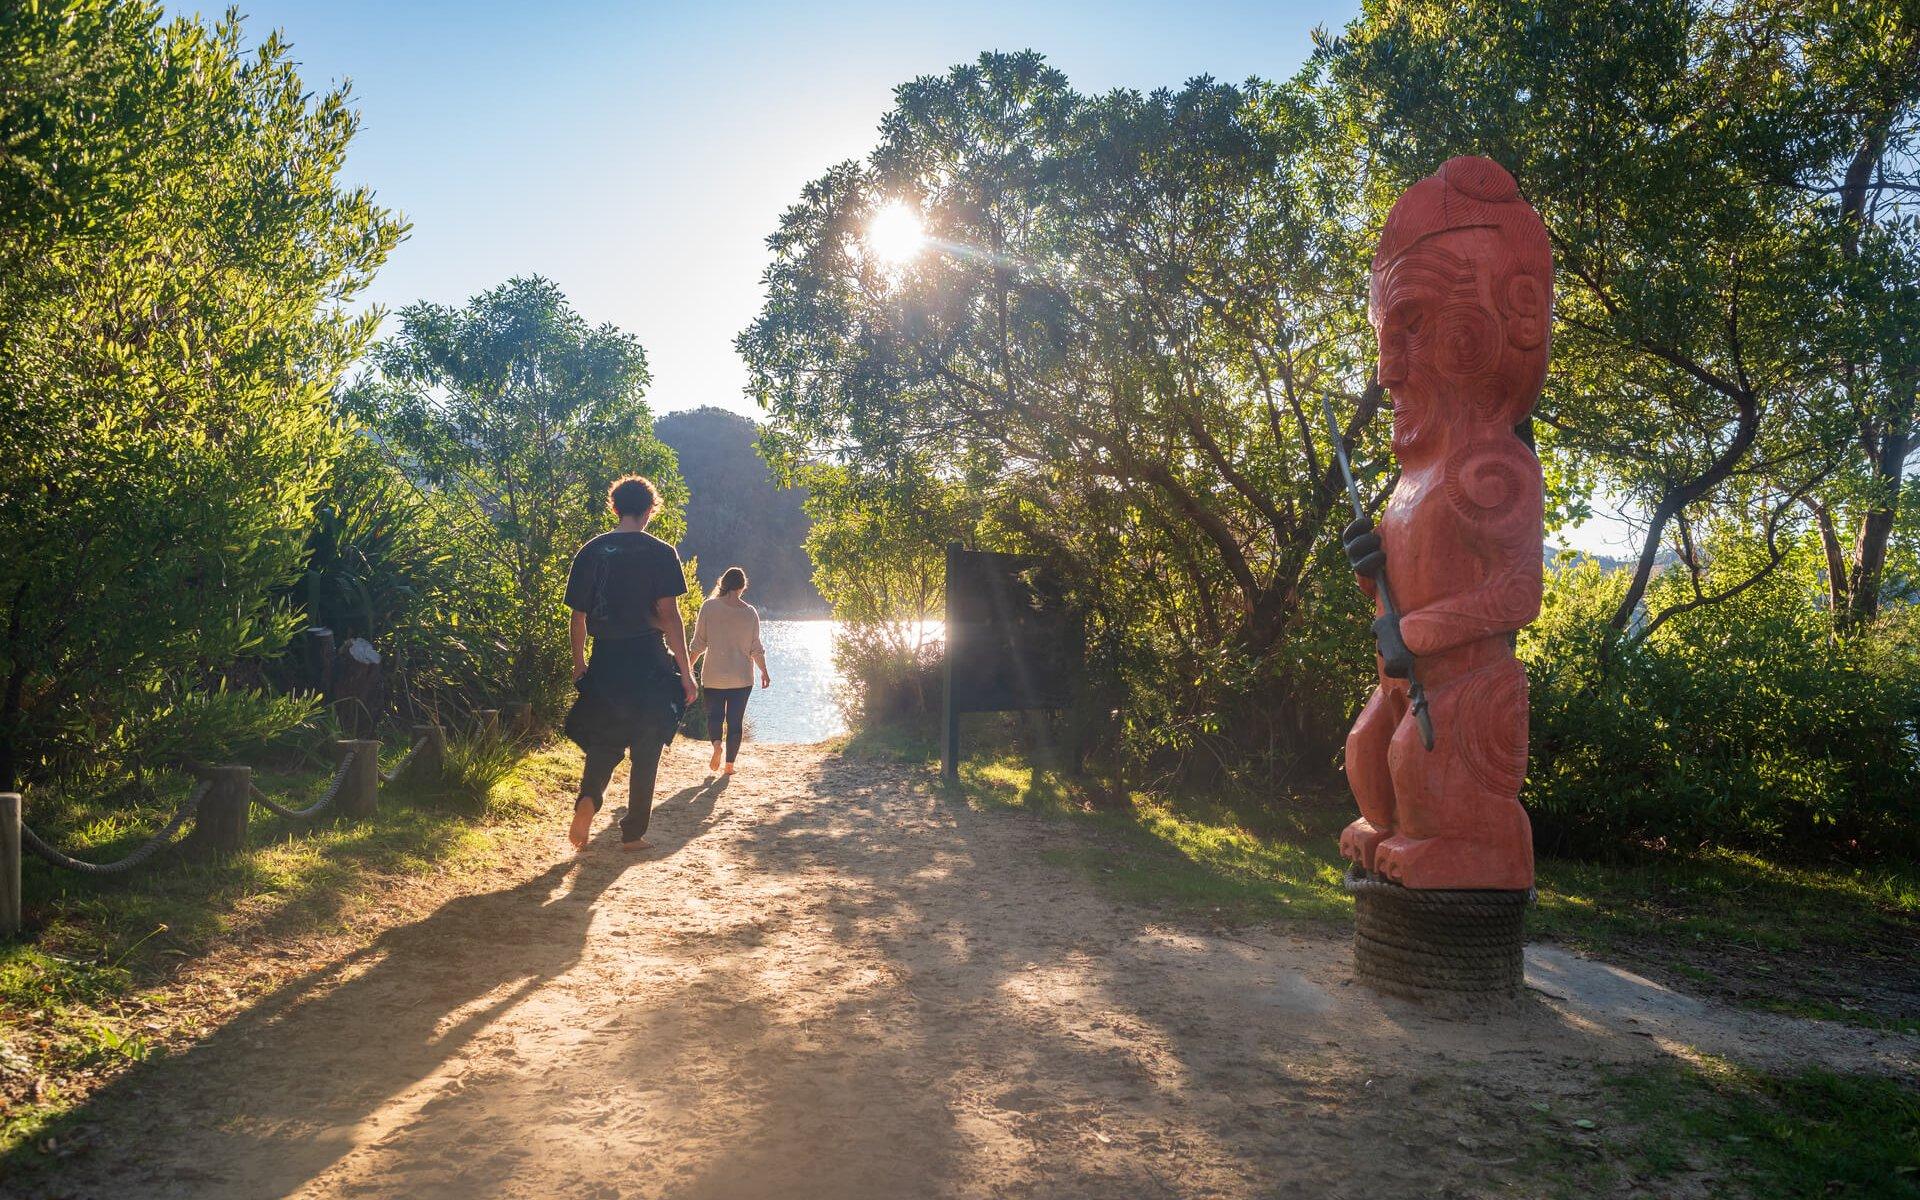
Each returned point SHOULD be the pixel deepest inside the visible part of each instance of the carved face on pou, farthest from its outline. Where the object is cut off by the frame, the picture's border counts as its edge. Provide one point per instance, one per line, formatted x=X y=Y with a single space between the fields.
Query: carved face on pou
x=1462 y=300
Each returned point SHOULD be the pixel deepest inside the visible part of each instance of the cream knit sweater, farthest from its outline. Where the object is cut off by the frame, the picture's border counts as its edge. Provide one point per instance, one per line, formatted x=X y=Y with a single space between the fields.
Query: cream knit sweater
x=729 y=633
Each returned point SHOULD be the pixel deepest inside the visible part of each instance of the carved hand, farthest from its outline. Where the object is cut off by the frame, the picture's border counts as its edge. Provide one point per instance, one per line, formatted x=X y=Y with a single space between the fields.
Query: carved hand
x=1395 y=659
x=1362 y=545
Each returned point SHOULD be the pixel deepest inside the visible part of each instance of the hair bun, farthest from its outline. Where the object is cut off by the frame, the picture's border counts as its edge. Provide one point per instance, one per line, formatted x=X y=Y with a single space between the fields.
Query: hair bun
x=1480 y=179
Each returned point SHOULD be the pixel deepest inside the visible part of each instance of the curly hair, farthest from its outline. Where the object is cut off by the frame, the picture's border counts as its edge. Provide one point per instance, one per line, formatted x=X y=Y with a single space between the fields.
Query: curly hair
x=633 y=496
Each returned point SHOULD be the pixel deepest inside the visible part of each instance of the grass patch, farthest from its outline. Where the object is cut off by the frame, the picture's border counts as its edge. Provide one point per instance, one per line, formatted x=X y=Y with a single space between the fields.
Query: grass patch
x=1709 y=1127
x=1731 y=898
x=1806 y=1135
x=79 y=993
x=1827 y=1010
x=1185 y=854
x=475 y=767
x=1830 y=942
x=1210 y=863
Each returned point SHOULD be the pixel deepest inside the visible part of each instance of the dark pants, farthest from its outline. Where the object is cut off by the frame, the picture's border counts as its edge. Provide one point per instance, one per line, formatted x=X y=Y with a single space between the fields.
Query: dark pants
x=632 y=696
x=728 y=705
x=640 y=783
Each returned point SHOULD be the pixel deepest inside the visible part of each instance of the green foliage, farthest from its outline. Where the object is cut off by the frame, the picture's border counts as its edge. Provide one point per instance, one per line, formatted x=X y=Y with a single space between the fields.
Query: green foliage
x=514 y=415
x=1743 y=723
x=383 y=564
x=1730 y=189
x=174 y=254
x=1113 y=351
x=881 y=549
x=477 y=762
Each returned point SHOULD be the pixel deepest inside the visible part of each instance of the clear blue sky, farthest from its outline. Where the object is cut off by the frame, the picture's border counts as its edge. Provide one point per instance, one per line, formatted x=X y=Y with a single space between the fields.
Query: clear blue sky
x=639 y=154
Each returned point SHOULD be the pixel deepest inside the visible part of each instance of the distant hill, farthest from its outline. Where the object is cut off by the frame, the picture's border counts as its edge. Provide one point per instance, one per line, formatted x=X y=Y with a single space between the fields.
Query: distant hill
x=737 y=516
x=1554 y=556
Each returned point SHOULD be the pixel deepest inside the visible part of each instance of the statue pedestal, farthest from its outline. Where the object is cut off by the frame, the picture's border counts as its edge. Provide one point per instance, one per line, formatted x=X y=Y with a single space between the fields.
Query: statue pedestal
x=1457 y=946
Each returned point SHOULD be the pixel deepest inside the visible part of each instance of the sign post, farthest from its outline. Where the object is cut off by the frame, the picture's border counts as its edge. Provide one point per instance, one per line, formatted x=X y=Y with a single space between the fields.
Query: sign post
x=949 y=711
x=1011 y=641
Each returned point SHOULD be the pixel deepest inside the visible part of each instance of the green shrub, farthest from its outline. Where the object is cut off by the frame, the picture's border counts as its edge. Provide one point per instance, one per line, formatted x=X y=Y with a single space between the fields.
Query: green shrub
x=476 y=763
x=1747 y=723
x=175 y=257
x=383 y=563
x=893 y=672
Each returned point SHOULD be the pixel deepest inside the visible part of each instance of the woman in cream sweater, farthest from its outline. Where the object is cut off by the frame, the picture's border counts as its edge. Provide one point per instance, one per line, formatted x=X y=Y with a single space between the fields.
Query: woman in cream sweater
x=728 y=634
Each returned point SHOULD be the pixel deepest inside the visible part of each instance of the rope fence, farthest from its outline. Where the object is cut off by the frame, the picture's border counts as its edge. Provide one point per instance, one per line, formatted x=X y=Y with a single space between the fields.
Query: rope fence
x=162 y=838
x=399 y=768
x=217 y=806
x=318 y=806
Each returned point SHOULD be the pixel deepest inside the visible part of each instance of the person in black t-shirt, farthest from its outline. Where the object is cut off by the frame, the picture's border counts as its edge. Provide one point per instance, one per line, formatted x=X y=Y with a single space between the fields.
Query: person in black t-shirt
x=624 y=589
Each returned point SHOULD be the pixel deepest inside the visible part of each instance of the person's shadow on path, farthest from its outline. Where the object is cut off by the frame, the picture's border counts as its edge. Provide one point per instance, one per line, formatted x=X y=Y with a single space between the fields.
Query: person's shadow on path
x=303 y=1068
x=680 y=818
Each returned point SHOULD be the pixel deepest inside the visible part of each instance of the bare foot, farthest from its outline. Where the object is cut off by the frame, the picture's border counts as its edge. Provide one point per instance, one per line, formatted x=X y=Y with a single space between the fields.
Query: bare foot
x=637 y=844
x=582 y=823
x=715 y=764
x=729 y=769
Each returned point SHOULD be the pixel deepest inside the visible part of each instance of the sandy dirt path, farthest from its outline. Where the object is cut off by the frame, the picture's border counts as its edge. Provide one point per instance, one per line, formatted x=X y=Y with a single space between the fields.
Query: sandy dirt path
x=832 y=980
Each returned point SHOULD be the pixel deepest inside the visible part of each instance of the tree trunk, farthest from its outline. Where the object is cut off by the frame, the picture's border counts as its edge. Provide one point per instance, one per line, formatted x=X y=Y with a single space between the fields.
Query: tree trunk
x=1876 y=525
x=1837 y=574
x=1887 y=467
x=1675 y=498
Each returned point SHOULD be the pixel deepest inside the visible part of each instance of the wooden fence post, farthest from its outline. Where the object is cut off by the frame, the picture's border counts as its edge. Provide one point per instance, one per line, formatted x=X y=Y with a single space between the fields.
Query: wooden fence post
x=360 y=790
x=220 y=823
x=9 y=863
x=431 y=761
x=319 y=653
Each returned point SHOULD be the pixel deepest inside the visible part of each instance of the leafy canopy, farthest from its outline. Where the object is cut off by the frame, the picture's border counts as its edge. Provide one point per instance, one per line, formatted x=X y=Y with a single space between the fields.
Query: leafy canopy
x=175 y=259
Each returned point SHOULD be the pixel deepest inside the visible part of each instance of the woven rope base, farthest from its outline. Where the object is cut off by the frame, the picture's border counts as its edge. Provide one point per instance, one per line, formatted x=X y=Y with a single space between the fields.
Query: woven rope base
x=1461 y=948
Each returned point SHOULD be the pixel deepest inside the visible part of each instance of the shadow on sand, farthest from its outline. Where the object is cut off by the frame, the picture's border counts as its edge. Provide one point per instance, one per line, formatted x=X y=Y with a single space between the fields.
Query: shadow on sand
x=858 y=988
x=379 y=1021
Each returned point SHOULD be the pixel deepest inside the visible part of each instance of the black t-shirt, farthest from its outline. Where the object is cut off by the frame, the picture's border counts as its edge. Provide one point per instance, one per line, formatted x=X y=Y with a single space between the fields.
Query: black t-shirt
x=617 y=578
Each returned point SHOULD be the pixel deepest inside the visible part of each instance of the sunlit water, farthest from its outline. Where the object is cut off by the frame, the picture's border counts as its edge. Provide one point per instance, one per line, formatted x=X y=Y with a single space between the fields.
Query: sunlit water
x=805 y=702
x=803 y=705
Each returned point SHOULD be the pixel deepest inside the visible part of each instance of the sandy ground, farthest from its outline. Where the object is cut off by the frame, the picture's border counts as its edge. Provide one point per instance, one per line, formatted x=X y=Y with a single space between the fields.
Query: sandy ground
x=832 y=981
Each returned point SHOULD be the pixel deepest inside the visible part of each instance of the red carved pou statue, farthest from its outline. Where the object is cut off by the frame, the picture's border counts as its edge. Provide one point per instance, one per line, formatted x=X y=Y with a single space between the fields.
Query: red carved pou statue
x=1461 y=299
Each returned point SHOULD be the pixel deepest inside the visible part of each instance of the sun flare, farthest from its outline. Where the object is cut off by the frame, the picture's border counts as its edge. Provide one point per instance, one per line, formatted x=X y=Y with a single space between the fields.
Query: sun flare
x=895 y=234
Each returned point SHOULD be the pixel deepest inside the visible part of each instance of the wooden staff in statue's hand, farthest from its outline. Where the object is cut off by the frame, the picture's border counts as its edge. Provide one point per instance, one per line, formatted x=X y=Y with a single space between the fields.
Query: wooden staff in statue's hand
x=1363 y=549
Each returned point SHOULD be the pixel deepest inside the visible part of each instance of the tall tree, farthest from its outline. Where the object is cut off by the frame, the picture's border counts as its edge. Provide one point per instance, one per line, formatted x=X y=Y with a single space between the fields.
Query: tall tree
x=1116 y=338
x=517 y=415
x=175 y=255
x=1729 y=185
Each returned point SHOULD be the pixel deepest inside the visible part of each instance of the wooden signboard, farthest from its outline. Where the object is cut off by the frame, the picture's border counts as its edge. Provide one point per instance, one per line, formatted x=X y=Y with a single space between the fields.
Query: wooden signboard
x=1012 y=642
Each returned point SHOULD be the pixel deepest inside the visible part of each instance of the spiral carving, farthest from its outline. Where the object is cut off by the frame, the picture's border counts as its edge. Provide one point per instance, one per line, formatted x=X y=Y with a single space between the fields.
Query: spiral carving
x=1469 y=339
x=1480 y=178
x=1490 y=723
x=1480 y=480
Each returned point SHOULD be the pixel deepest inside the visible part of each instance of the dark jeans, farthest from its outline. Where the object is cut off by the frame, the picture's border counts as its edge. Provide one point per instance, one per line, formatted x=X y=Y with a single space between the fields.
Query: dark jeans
x=646 y=770
x=730 y=705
